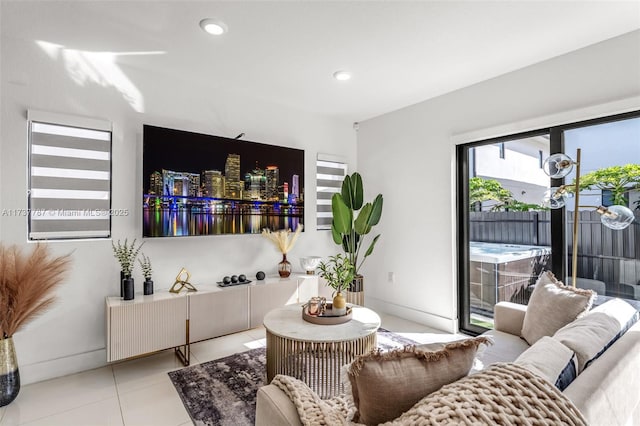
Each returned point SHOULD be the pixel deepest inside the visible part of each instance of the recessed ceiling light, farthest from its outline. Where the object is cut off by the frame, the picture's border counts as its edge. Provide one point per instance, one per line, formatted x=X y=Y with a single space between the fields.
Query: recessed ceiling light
x=342 y=75
x=213 y=26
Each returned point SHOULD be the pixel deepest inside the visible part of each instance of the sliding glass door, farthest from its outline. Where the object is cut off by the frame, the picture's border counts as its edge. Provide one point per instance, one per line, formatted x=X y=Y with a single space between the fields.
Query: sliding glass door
x=608 y=260
x=507 y=231
x=508 y=234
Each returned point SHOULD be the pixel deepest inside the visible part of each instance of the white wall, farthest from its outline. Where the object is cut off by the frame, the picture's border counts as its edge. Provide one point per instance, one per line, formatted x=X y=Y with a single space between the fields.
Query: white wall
x=409 y=157
x=71 y=336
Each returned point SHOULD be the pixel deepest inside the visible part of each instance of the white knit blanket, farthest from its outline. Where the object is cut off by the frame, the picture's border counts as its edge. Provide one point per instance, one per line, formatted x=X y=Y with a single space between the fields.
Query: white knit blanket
x=504 y=394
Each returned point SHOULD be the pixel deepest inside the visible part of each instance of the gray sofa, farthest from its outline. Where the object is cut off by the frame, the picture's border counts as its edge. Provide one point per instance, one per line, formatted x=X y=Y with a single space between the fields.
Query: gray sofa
x=606 y=393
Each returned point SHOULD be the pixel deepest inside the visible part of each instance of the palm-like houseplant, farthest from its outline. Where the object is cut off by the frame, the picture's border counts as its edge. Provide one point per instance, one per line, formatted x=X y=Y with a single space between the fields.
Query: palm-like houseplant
x=353 y=220
x=27 y=282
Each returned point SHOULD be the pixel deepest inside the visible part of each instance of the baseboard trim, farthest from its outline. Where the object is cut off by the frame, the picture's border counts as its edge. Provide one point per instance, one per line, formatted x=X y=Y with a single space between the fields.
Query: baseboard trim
x=64 y=366
x=448 y=325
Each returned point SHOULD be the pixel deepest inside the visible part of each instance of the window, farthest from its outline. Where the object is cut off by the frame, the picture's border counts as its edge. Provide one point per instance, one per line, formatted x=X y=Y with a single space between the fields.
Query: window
x=501 y=147
x=507 y=236
x=70 y=177
x=541 y=158
x=329 y=176
x=607 y=198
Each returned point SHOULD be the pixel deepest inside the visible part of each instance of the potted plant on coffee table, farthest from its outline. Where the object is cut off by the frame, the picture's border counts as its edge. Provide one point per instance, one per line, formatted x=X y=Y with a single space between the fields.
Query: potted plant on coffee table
x=338 y=271
x=352 y=221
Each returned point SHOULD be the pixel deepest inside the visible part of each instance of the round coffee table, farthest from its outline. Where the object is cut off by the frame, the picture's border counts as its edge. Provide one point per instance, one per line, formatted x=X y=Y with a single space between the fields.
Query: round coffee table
x=314 y=353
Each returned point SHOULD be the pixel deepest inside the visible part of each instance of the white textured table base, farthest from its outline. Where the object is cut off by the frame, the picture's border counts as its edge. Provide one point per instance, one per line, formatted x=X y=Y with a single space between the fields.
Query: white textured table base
x=315 y=353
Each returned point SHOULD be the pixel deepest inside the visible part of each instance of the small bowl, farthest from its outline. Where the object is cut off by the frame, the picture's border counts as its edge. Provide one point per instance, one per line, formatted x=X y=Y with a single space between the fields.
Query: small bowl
x=310 y=263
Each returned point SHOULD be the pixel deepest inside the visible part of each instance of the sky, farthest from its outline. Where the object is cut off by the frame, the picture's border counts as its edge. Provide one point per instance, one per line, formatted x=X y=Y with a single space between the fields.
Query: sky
x=183 y=151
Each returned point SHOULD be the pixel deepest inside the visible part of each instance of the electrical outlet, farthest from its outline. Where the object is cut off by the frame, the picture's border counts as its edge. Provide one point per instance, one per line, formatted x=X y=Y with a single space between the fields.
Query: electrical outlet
x=392 y=277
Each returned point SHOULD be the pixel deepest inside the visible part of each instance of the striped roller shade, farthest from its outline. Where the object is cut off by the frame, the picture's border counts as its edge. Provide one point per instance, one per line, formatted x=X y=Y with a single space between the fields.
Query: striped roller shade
x=329 y=177
x=70 y=182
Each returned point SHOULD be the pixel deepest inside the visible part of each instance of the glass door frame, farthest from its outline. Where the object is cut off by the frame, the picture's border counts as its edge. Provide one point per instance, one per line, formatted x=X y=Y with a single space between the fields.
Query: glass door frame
x=558 y=216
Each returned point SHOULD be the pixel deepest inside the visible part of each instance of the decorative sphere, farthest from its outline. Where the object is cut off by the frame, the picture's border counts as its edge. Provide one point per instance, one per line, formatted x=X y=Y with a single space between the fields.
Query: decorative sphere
x=554 y=198
x=260 y=275
x=242 y=278
x=234 y=278
x=226 y=280
x=616 y=217
x=558 y=165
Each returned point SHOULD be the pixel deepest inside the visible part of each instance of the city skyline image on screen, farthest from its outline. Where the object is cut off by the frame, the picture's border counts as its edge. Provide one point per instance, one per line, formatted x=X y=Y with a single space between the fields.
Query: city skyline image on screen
x=197 y=184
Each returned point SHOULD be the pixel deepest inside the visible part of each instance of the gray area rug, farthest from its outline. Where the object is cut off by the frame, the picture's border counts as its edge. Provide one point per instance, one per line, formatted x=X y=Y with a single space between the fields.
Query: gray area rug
x=223 y=392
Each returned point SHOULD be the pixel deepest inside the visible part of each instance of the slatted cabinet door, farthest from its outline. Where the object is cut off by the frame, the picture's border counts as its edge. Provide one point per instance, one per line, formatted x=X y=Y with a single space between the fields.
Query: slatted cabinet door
x=274 y=293
x=144 y=325
x=218 y=312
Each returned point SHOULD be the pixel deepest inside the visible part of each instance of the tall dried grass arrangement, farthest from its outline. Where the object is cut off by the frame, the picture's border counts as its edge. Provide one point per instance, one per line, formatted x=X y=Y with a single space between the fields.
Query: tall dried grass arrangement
x=26 y=284
x=283 y=239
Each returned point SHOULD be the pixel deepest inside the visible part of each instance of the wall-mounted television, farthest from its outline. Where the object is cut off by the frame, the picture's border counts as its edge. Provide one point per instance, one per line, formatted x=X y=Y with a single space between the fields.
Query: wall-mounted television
x=197 y=184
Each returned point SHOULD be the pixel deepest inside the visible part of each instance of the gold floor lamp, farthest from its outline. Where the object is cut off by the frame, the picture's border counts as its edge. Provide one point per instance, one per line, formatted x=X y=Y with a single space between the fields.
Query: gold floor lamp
x=558 y=166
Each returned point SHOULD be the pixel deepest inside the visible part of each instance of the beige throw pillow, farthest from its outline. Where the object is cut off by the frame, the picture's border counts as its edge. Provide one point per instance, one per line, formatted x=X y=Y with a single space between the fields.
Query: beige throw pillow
x=552 y=306
x=386 y=384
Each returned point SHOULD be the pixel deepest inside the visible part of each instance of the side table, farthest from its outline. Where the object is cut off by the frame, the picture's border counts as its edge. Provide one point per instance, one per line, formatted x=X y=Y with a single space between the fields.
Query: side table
x=315 y=353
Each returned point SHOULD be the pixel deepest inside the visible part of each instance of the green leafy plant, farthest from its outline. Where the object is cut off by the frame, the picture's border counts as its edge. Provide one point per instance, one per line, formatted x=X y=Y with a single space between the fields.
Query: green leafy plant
x=338 y=271
x=514 y=205
x=145 y=265
x=126 y=255
x=481 y=189
x=352 y=219
x=617 y=179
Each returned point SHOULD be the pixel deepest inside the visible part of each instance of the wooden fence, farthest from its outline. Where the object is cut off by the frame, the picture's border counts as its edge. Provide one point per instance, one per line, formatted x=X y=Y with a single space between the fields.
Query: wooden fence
x=604 y=254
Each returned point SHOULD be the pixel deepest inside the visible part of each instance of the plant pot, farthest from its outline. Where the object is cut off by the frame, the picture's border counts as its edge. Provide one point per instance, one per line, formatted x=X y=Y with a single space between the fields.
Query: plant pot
x=357 y=284
x=127 y=284
x=122 y=277
x=355 y=292
x=147 y=287
x=284 y=267
x=9 y=374
x=339 y=304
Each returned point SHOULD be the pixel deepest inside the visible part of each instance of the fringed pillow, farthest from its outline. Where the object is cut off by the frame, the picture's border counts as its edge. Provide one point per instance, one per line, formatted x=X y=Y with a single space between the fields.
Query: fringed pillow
x=552 y=306
x=386 y=384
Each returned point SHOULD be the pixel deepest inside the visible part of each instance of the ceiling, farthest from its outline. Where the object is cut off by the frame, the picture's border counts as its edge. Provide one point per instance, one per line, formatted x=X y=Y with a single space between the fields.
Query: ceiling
x=399 y=53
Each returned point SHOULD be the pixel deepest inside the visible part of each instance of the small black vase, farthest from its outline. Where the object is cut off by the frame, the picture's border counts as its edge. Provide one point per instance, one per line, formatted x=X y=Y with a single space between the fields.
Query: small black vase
x=122 y=283
x=147 y=286
x=127 y=284
x=9 y=373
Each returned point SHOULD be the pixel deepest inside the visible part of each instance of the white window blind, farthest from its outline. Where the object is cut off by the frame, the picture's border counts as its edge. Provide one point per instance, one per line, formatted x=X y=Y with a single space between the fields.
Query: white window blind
x=329 y=177
x=70 y=177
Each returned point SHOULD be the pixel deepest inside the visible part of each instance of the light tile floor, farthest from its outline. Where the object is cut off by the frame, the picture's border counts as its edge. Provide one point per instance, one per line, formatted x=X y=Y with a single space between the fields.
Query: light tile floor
x=139 y=392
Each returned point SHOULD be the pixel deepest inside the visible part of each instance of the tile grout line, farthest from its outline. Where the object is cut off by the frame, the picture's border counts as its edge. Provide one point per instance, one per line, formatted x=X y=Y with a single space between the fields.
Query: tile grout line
x=63 y=411
x=115 y=383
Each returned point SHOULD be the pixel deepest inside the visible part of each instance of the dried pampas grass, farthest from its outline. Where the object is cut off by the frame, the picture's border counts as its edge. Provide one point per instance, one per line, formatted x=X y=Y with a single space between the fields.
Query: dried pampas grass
x=26 y=284
x=283 y=239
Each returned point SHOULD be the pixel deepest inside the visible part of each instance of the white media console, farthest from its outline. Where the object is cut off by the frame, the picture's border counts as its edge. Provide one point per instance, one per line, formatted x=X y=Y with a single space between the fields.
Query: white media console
x=166 y=320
